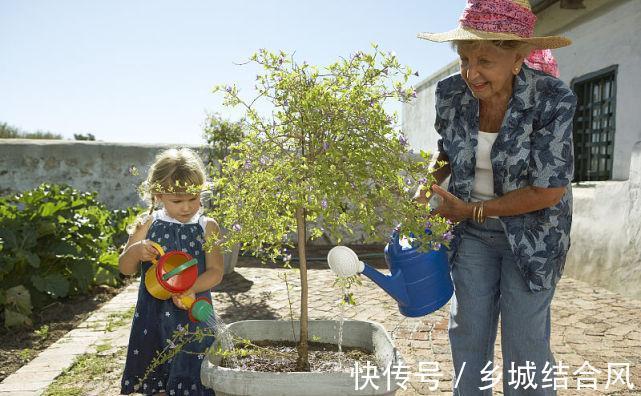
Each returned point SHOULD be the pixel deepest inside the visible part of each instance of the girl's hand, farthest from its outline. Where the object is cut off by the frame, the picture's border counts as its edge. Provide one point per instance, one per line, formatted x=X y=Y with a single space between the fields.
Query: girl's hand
x=450 y=206
x=176 y=298
x=147 y=250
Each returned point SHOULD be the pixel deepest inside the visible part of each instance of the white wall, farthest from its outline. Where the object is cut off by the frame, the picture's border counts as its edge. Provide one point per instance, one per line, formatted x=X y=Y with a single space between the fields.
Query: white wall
x=606 y=33
x=418 y=115
x=606 y=233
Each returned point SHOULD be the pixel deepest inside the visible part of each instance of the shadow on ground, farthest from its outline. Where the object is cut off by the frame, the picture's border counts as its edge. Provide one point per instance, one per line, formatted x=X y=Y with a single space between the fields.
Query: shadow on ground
x=241 y=305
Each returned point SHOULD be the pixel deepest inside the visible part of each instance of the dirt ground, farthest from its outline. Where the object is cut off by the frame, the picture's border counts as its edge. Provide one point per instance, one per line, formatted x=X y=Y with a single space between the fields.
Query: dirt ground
x=18 y=347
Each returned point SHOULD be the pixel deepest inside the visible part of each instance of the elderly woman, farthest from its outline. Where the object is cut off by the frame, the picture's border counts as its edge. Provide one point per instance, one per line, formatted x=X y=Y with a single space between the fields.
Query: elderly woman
x=506 y=141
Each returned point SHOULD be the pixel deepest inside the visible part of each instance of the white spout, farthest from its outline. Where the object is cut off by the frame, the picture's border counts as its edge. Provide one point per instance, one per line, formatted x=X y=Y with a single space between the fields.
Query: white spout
x=344 y=261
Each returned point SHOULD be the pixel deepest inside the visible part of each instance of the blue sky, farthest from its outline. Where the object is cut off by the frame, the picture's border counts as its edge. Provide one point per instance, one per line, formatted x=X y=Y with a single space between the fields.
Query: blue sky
x=142 y=71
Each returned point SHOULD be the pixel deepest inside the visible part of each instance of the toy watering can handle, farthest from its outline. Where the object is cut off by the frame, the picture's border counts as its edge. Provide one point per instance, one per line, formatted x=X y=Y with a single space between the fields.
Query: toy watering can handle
x=160 y=250
x=180 y=268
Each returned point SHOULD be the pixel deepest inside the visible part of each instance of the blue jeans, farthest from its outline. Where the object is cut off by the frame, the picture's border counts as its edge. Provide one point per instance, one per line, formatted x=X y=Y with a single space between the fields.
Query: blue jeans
x=487 y=283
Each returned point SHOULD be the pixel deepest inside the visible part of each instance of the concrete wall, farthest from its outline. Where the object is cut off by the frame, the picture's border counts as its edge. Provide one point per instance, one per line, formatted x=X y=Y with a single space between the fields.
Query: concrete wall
x=606 y=232
x=85 y=165
x=605 y=33
x=418 y=115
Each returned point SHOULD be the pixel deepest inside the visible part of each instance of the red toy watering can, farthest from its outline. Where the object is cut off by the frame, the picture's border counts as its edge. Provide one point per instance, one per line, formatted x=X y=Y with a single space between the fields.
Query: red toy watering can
x=174 y=273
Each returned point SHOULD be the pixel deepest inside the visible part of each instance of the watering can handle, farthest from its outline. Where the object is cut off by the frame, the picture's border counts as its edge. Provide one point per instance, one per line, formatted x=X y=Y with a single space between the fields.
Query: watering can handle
x=180 y=268
x=160 y=250
x=394 y=242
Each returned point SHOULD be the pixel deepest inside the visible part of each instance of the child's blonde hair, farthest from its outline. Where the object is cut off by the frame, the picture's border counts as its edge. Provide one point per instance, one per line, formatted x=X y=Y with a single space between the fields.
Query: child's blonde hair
x=174 y=171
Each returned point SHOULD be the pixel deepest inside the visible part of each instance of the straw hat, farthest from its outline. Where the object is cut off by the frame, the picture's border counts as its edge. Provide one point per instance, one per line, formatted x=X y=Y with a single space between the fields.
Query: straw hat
x=498 y=20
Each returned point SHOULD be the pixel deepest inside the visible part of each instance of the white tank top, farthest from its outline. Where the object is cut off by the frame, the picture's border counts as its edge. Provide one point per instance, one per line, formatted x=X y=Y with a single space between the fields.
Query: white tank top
x=483 y=186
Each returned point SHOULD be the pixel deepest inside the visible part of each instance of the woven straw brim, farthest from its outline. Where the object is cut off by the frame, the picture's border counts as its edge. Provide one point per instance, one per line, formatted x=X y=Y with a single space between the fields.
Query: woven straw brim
x=461 y=33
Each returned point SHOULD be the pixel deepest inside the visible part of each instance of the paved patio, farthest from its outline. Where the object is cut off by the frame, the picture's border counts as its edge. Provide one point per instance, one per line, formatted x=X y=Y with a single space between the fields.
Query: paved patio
x=589 y=325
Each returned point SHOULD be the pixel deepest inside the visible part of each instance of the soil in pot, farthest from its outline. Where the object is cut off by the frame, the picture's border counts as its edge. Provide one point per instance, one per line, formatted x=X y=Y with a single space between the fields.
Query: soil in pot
x=280 y=356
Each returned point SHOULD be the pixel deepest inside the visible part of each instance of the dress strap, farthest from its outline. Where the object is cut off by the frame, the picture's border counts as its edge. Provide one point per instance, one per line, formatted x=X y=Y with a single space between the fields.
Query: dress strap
x=202 y=221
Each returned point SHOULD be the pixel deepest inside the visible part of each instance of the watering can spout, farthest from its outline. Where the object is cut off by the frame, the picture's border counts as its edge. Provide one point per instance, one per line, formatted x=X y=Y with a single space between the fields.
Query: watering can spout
x=344 y=262
x=394 y=284
x=420 y=282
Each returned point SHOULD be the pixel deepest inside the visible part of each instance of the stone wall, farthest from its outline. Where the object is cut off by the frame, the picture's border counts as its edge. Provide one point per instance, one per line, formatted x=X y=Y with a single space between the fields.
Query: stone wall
x=87 y=166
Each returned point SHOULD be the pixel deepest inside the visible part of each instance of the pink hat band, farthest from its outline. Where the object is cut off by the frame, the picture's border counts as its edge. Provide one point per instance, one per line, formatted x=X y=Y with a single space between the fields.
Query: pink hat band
x=498 y=16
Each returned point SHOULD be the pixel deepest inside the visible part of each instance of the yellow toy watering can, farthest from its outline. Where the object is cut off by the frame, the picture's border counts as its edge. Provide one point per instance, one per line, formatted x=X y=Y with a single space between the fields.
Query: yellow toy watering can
x=174 y=273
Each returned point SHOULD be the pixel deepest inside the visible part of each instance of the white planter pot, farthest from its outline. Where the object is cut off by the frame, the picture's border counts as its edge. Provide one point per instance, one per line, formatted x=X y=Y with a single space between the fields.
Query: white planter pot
x=230 y=259
x=235 y=382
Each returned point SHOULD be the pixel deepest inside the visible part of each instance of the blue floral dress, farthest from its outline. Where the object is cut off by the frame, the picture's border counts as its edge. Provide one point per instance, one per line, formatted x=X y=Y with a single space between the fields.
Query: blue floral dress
x=156 y=320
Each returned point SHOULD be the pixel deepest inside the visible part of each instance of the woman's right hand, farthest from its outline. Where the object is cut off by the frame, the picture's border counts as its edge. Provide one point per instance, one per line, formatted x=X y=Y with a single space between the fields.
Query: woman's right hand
x=147 y=250
x=422 y=195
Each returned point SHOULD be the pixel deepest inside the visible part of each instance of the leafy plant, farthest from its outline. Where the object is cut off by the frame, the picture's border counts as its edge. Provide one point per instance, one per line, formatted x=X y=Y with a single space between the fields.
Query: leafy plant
x=329 y=160
x=57 y=242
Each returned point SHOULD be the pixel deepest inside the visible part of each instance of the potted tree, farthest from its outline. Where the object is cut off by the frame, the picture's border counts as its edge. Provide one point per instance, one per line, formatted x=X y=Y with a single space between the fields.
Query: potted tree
x=327 y=159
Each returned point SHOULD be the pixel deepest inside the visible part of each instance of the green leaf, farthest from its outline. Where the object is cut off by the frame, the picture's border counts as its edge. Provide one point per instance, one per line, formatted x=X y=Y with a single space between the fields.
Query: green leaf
x=107 y=275
x=32 y=259
x=15 y=319
x=54 y=285
x=19 y=299
x=82 y=272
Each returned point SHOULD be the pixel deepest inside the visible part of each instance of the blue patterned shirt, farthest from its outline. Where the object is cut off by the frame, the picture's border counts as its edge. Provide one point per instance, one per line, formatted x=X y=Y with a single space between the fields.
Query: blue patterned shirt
x=533 y=148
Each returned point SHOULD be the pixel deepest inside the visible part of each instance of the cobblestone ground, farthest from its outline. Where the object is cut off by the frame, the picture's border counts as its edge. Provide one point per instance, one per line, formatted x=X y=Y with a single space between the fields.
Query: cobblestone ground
x=589 y=325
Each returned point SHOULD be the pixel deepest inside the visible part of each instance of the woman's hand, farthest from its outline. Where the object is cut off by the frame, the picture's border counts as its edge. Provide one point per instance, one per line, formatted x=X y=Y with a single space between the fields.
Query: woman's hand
x=176 y=298
x=421 y=196
x=147 y=251
x=450 y=206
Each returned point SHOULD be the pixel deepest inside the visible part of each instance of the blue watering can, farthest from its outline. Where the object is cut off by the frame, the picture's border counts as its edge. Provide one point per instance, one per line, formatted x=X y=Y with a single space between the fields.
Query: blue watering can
x=419 y=281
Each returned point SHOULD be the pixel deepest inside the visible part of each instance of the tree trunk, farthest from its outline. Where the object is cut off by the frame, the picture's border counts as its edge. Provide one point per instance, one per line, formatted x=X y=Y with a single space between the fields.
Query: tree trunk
x=302 y=363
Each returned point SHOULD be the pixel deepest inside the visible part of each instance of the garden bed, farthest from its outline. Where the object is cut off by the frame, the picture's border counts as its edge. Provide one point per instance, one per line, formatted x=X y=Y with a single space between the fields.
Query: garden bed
x=19 y=347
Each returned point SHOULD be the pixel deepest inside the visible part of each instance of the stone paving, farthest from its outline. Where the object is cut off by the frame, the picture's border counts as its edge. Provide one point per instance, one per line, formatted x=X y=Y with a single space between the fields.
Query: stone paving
x=590 y=325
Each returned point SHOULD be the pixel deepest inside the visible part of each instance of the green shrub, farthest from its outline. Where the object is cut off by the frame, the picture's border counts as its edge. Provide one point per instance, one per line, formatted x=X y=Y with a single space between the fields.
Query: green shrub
x=55 y=242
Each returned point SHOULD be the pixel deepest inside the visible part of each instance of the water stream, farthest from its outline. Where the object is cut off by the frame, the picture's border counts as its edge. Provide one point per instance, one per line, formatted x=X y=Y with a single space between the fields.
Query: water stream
x=223 y=336
x=341 y=320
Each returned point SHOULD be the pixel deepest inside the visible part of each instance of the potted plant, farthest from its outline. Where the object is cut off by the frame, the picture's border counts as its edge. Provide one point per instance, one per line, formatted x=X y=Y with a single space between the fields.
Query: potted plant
x=327 y=159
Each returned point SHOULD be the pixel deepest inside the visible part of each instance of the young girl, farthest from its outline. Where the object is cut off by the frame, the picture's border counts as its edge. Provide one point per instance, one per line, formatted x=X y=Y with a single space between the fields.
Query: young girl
x=175 y=222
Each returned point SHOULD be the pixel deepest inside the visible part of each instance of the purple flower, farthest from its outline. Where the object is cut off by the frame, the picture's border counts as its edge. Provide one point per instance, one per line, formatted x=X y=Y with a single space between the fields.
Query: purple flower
x=428 y=224
x=414 y=94
x=236 y=227
x=263 y=160
x=422 y=180
x=448 y=236
x=248 y=164
x=228 y=88
x=20 y=206
x=324 y=203
x=285 y=102
x=325 y=145
x=437 y=246
x=402 y=139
